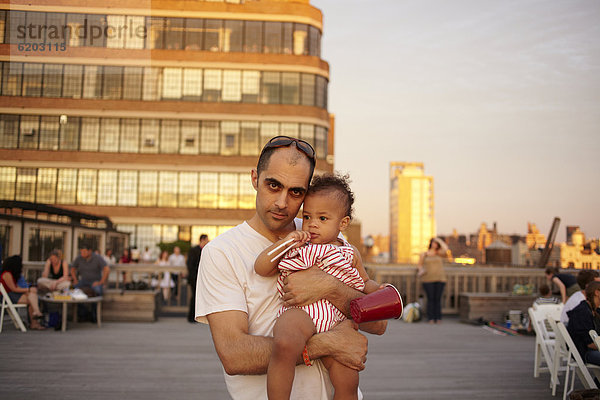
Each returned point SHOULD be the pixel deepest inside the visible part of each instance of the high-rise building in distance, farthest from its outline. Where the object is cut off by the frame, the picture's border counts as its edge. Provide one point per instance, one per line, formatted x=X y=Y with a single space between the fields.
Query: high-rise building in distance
x=412 y=222
x=154 y=113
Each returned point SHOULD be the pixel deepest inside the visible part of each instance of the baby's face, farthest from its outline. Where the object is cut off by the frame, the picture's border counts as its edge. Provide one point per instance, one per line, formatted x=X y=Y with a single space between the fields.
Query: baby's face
x=323 y=217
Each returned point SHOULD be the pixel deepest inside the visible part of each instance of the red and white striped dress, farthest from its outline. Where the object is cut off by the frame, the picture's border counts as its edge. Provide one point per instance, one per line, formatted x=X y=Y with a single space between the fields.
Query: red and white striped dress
x=332 y=259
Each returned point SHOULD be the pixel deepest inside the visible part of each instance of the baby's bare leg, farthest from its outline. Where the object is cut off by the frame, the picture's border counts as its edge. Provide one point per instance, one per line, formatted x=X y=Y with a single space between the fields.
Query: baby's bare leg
x=290 y=334
x=344 y=379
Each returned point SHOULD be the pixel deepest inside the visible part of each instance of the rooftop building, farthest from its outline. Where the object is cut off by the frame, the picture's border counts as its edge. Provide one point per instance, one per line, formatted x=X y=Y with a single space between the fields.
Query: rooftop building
x=153 y=114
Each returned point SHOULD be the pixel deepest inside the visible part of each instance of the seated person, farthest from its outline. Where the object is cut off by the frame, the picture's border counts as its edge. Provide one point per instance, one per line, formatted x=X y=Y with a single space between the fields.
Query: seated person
x=584 y=318
x=545 y=296
x=11 y=272
x=89 y=270
x=584 y=277
x=56 y=273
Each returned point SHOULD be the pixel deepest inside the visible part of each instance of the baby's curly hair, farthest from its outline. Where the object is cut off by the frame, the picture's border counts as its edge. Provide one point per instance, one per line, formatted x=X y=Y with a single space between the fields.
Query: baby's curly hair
x=337 y=184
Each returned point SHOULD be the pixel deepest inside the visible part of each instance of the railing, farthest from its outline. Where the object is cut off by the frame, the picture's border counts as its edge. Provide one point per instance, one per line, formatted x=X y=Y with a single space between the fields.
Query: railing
x=32 y=270
x=459 y=280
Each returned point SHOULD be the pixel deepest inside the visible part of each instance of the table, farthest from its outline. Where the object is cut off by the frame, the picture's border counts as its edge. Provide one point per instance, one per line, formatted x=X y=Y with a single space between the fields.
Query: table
x=65 y=302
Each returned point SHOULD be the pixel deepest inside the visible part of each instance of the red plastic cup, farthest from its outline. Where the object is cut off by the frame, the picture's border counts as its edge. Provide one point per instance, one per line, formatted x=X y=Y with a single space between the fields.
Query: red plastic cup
x=385 y=303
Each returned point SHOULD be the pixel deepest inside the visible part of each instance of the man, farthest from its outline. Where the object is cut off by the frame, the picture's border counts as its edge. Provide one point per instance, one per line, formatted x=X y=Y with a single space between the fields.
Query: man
x=192 y=267
x=89 y=270
x=584 y=277
x=240 y=306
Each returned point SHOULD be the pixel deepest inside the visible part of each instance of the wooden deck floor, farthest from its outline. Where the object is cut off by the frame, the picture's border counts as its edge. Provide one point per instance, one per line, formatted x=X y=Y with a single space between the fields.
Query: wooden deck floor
x=174 y=359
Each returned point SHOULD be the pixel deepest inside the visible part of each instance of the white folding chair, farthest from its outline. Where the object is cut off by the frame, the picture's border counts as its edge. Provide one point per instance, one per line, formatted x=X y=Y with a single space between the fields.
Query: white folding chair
x=595 y=338
x=575 y=364
x=7 y=304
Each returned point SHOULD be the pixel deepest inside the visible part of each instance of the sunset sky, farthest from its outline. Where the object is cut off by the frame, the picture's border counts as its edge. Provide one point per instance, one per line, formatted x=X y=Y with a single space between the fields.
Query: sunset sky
x=500 y=100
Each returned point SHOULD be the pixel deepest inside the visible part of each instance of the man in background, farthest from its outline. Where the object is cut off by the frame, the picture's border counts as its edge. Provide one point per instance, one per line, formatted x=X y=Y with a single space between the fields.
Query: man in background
x=192 y=267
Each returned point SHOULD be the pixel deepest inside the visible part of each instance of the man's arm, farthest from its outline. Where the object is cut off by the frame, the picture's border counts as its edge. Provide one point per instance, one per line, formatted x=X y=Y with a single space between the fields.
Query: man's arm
x=74 y=272
x=245 y=354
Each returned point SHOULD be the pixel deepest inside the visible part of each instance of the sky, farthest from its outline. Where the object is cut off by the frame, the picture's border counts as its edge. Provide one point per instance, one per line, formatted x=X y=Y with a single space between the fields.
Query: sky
x=499 y=99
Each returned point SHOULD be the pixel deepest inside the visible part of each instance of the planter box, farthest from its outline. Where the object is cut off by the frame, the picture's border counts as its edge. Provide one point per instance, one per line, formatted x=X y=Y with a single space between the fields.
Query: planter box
x=491 y=306
x=131 y=305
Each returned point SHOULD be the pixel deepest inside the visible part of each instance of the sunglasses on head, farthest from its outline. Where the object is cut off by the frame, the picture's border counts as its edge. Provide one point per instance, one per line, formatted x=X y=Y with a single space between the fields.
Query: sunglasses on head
x=284 y=141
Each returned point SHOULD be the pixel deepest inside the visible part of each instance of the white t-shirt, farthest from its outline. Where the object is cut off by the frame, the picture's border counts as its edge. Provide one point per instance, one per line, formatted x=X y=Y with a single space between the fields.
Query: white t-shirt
x=571 y=303
x=177 y=260
x=227 y=281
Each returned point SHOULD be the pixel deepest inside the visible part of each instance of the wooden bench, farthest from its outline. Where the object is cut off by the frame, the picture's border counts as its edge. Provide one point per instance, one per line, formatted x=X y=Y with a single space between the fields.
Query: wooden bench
x=131 y=305
x=492 y=306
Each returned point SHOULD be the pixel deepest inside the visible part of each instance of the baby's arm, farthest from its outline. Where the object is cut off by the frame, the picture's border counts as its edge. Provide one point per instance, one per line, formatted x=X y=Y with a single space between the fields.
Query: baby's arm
x=263 y=264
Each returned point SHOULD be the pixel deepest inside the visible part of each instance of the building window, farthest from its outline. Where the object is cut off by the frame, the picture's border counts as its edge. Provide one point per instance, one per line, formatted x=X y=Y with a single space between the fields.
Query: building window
x=208 y=190
x=228 y=190
x=169 y=137
x=148 y=188
x=213 y=29
x=188 y=189
x=75 y=23
x=72 y=77
x=69 y=133
x=230 y=133
x=232 y=85
x=288 y=41
x=130 y=135
x=49 y=133
x=115 y=39
x=67 y=186
x=189 y=137
x=100 y=22
x=247 y=193
x=8 y=179
x=314 y=41
x=253 y=36
x=174 y=36
x=53 y=75
x=32 y=79
x=150 y=129
x=212 y=85
x=209 y=140
x=320 y=140
x=307 y=133
x=172 y=78
x=192 y=84
x=12 y=76
x=308 y=90
x=5 y=241
x=90 y=134
x=46 y=186
x=300 y=39
x=87 y=186
x=15 y=19
x=250 y=86
x=9 y=131
x=132 y=83
x=151 y=87
x=29 y=129
x=128 y=188
x=193 y=34
x=113 y=83
x=290 y=82
x=135 y=40
x=92 y=82
x=167 y=189
x=233 y=37
x=107 y=187
x=249 y=139
x=272 y=37
x=271 y=88
x=109 y=135
x=43 y=241
x=156 y=34
x=289 y=129
x=26 y=178
x=267 y=131
x=321 y=92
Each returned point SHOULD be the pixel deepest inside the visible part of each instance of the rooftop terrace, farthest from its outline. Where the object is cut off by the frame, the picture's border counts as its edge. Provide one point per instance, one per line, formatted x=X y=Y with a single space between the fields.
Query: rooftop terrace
x=174 y=359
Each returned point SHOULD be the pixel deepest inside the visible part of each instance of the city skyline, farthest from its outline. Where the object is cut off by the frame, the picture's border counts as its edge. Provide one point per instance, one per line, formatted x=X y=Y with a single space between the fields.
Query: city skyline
x=499 y=100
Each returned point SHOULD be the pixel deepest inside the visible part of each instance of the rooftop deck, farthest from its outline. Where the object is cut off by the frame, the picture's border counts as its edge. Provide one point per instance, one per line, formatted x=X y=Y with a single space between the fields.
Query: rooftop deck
x=174 y=359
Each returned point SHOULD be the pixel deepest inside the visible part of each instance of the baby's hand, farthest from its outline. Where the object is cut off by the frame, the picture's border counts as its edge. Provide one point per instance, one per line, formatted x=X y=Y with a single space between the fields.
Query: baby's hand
x=300 y=237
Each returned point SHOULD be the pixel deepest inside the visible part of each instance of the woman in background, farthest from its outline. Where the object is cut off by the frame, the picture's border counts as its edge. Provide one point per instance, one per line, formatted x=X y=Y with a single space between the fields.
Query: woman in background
x=11 y=271
x=431 y=271
x=56 y=273
x=166 y=282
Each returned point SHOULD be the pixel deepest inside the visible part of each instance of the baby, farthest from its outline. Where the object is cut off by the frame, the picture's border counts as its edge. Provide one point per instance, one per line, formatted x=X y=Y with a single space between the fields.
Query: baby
x=327 y=211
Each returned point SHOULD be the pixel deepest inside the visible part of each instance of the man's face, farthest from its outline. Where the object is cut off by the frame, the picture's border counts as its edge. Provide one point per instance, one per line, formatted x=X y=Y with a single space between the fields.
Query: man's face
x=85 y=253
x=281 y=187
x=177 y=250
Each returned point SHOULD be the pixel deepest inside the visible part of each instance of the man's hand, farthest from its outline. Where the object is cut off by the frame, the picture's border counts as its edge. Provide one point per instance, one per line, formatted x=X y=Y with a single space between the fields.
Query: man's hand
x=306 y=287
x=97 y=283
x=343 y=343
